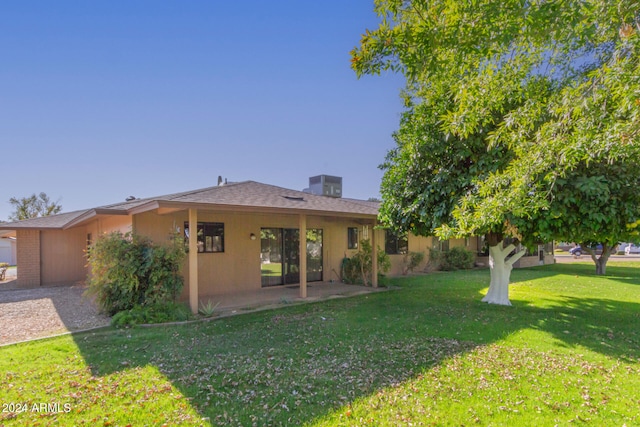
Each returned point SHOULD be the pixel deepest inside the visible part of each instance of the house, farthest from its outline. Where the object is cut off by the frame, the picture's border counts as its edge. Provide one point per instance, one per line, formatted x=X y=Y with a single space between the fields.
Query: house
x=8 y=250
x=249 y=236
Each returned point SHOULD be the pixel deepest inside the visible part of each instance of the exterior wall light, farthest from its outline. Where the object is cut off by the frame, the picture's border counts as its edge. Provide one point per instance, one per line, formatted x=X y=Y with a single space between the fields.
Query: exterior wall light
x=252 y=236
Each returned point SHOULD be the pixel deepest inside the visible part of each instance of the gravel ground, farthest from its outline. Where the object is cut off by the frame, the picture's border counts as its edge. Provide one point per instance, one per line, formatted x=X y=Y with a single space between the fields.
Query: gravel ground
x=40 y=312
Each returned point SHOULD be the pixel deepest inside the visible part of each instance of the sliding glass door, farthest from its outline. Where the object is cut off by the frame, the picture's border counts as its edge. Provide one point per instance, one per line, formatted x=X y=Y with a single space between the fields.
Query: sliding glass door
x=271 y=256
x=280 y=256
x=314 y=255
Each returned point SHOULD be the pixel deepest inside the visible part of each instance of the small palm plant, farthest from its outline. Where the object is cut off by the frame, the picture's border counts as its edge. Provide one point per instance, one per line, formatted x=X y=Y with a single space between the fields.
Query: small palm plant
x=208 y=309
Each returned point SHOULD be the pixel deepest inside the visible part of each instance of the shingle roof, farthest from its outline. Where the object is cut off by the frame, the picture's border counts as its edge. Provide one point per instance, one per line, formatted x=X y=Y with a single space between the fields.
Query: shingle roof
x=241 y=195
x=52 y=221
x=257 y=195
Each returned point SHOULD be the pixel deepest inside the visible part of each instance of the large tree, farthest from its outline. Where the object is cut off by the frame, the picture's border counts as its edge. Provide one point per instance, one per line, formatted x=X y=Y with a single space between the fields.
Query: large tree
x=33 y=207
x=507 y=102
x=592 y=204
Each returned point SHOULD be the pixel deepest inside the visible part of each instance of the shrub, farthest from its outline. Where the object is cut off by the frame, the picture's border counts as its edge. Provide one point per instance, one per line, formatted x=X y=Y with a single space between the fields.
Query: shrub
x=457 y=259
x=3 y=269
x=435 y=260
x=129 y=270
x=411 y=261
x=358 y=268
x=152 y=313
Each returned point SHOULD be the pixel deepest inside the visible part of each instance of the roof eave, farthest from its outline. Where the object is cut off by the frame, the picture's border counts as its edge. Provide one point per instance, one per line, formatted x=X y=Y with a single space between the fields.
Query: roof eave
x=172 y=206
x=92 y=214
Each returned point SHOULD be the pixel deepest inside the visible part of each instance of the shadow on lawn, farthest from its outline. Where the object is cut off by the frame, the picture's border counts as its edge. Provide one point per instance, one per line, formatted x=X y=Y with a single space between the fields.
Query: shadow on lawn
x=296 y=364
x=287 y=367
x=604 y=326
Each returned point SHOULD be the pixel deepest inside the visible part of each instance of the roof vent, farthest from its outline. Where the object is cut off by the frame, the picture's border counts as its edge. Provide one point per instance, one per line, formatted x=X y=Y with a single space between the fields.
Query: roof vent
x=130 y=198
x=325 y=185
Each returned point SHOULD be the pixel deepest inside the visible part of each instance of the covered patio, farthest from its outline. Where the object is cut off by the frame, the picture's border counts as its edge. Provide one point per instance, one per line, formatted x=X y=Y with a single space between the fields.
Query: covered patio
x=267 y=298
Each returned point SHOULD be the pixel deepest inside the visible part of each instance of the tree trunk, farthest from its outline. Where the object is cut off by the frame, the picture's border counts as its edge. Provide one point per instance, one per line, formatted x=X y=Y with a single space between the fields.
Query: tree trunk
x=500 y=268
x=601 y=263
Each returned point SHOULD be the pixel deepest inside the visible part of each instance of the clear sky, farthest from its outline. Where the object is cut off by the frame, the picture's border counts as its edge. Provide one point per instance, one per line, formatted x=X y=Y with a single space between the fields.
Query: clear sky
x=100 y=100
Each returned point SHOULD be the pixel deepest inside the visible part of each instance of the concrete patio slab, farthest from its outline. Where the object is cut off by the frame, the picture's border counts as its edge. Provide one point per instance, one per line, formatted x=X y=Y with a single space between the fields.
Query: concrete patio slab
x=283 y=295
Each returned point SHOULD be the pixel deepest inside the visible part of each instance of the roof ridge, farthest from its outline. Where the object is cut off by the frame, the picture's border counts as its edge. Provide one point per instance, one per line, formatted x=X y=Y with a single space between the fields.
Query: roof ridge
x=169 y=196
x=200 y=190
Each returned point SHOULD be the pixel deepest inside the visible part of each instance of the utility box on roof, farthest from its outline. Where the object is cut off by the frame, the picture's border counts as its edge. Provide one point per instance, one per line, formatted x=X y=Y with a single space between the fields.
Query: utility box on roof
x=325 y=185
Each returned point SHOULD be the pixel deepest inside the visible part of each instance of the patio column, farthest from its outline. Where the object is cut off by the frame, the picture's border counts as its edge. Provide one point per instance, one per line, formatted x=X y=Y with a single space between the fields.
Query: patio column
x=374 y=256
x=303 y=255
x=193 y=260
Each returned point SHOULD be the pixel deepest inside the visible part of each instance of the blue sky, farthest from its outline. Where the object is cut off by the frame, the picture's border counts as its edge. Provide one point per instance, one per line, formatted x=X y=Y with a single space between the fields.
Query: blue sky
x=100 y=100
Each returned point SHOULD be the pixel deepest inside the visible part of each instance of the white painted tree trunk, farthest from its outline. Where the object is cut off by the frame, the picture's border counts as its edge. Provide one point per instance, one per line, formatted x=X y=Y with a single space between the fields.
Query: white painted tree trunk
x=500 y=268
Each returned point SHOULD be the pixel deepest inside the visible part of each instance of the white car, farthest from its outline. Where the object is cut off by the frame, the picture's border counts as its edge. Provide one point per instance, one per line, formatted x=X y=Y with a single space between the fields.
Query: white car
x=632 y=249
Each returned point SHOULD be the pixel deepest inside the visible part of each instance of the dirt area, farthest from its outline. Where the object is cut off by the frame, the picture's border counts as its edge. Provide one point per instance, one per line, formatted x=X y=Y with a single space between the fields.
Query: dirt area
x=40 y=312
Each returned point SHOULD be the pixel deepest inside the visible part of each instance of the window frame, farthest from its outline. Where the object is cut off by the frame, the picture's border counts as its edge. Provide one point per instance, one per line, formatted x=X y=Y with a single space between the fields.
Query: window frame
x=353 y=244
x=393 y=243
x=208 y=229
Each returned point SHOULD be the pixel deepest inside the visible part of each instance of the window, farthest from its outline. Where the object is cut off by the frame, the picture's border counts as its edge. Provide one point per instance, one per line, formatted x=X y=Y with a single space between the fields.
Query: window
x=442 y=245
x=352 y=238
x=483 y=246
x=210 y=236
x=395 y=244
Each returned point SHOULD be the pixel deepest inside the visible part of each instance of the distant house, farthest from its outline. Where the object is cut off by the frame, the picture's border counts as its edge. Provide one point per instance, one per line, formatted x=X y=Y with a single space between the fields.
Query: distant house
x=249 y=236
x=8 y=250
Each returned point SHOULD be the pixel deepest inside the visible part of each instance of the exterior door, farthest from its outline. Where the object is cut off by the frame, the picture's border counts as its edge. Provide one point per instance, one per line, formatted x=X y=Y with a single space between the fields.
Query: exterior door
x=291 y=240
x=271 y=251
x=280 y=256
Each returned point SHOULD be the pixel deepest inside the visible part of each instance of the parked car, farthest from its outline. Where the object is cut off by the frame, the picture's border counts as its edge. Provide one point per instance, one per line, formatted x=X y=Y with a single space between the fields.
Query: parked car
x=622 y=248
x=632 y=249
x=564 y=246
x=576 y=251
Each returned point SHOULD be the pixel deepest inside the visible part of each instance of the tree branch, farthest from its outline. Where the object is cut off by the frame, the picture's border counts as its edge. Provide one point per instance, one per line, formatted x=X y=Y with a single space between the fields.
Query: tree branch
x=508 y=249
x=515 y=258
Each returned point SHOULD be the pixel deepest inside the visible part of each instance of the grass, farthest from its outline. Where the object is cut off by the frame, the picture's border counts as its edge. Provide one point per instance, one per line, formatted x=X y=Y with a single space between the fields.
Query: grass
x=272 y=269
x=568 y=351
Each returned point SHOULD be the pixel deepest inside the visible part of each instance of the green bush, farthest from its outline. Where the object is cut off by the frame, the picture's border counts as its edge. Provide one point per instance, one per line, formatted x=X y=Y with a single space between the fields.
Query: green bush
x=152 y=313
x=435 y=260
x=358 y=268
x=451 y=260
x=411 y=261
x=457 y=259
x=129 y=270
x=3 y=269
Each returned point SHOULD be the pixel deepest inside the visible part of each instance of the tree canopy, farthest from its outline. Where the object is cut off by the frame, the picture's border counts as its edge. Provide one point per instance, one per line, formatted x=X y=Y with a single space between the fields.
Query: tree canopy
x=521 y=117
x=33 y=207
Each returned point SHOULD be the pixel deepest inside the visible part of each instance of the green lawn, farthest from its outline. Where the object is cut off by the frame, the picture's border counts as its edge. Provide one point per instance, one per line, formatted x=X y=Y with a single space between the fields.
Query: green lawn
x=567 y=352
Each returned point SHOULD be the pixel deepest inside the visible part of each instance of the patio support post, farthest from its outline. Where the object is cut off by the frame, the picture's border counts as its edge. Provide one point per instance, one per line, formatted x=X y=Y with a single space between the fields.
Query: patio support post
x=374 y=257
x=303 y=255
x=193 y=260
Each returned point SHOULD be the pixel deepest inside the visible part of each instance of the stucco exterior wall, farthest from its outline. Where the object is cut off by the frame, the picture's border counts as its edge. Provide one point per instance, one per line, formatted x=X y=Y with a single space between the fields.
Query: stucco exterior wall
x=424 y=245
x=63 y=256
x=415 y=244
x=105 y=225
x=56 y=257
x=238 y=268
